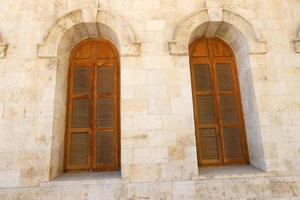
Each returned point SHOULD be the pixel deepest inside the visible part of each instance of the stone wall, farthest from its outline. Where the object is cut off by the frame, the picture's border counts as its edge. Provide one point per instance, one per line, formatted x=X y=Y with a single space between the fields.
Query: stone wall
x=157 y=128
x=217 y=189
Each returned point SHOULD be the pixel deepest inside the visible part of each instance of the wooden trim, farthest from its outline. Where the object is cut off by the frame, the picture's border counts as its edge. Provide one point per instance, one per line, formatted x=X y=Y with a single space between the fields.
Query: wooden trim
x=215 y=92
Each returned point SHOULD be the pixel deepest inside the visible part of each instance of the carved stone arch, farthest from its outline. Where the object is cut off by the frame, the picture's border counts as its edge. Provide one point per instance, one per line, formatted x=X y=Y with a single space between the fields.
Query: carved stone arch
x=214 y=19
x=3 y=47
x=126 y=40
x=296 y=42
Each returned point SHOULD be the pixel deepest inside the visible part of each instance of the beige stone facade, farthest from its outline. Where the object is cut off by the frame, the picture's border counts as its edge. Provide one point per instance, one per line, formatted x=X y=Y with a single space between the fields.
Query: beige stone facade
x=158 y=150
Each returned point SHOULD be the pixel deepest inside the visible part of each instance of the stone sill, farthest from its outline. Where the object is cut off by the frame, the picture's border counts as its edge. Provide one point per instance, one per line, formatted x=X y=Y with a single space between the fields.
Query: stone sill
x=229 y=172
x=85 y=178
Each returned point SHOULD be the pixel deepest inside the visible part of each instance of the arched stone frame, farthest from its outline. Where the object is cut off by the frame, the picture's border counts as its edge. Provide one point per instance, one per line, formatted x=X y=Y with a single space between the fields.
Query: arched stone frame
x=3 y=48
x=58 y=42
x=128 y=45
x=185 y=28
x=246 y=43
x=296 y=42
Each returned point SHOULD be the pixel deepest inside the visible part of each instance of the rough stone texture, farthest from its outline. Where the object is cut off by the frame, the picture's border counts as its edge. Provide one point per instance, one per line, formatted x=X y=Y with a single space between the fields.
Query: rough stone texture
x=158 y=155
x=215 y=189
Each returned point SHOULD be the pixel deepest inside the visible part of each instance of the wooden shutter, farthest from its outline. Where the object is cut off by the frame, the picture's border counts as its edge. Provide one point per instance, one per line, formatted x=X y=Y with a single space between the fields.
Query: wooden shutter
x=220 y=133
x=92 y=136
x=106 y=116
x=78 y=131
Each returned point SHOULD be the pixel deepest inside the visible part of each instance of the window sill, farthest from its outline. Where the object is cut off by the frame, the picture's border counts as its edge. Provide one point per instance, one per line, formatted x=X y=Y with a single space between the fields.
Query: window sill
x=85 y=178
x=231 y=172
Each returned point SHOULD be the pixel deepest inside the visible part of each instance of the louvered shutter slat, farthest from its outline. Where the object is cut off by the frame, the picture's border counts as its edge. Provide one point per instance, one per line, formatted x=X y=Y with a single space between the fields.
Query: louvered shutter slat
x=202 y=77
x=79 y=148
x=206 y=110
x=105 y=82
x=105 y=148
x=232 y=144
x=224 y=77
x=209 y=145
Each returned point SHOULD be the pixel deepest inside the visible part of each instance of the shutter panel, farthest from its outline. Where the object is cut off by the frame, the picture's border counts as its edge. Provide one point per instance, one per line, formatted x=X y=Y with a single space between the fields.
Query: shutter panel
x=80 y=117
x=202 y=77
x=232 y=144
x=80 y=113
x=79 y=148
x=105 y=113
x=106 y=120
x=105 y=148
x=228 y=110
x=81 y=80
x=105 y=80
x=209 y=152
x=206 y=110
x=224 y=77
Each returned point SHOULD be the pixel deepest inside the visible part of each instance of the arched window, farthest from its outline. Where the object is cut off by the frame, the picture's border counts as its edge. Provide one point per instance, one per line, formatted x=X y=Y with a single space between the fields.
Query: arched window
x=92 y=133
x=219 y=123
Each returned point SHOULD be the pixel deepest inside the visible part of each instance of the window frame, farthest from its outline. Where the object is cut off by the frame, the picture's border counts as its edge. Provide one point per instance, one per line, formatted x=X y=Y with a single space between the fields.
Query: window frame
x=215 y=93
x=94 y=63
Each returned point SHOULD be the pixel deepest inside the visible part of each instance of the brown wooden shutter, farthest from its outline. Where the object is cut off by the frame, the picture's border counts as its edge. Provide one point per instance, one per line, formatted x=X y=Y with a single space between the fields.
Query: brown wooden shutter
x=79 y=149
x=79 y=117
x=220 y=133
x=92 y=136
x=106 y=118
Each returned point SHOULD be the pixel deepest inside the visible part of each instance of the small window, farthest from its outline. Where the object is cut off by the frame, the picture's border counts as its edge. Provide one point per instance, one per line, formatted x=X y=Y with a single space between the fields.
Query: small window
x=219 y=123
x=92 y=135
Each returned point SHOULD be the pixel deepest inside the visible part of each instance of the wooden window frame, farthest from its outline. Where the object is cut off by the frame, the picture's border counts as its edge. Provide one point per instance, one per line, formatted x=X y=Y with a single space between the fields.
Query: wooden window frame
x=216 y=93
x=94 y=63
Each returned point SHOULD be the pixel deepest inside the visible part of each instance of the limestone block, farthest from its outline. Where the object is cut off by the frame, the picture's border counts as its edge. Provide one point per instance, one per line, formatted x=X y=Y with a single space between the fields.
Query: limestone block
x=179 y=170
x=134 y=107
x=97 y=192
x=255 y=187
x=138 y=191
x=150 y=155
x=161 y=138
x=176 y=153
x=115 y=191
x=142 y=172
x=297 y=149
x=75 y=192
x=147 y=122
x=133 y=77
x=235 y=190
x=161 y=190
x=126 y=156
x=9 y=178
x=152 y=48
x=209 y=189
x=181 y=105
x=172 y=122
x=184 y=190
x=154 y=25
x=133 y=92
x=156 y=76
x=159 y=106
